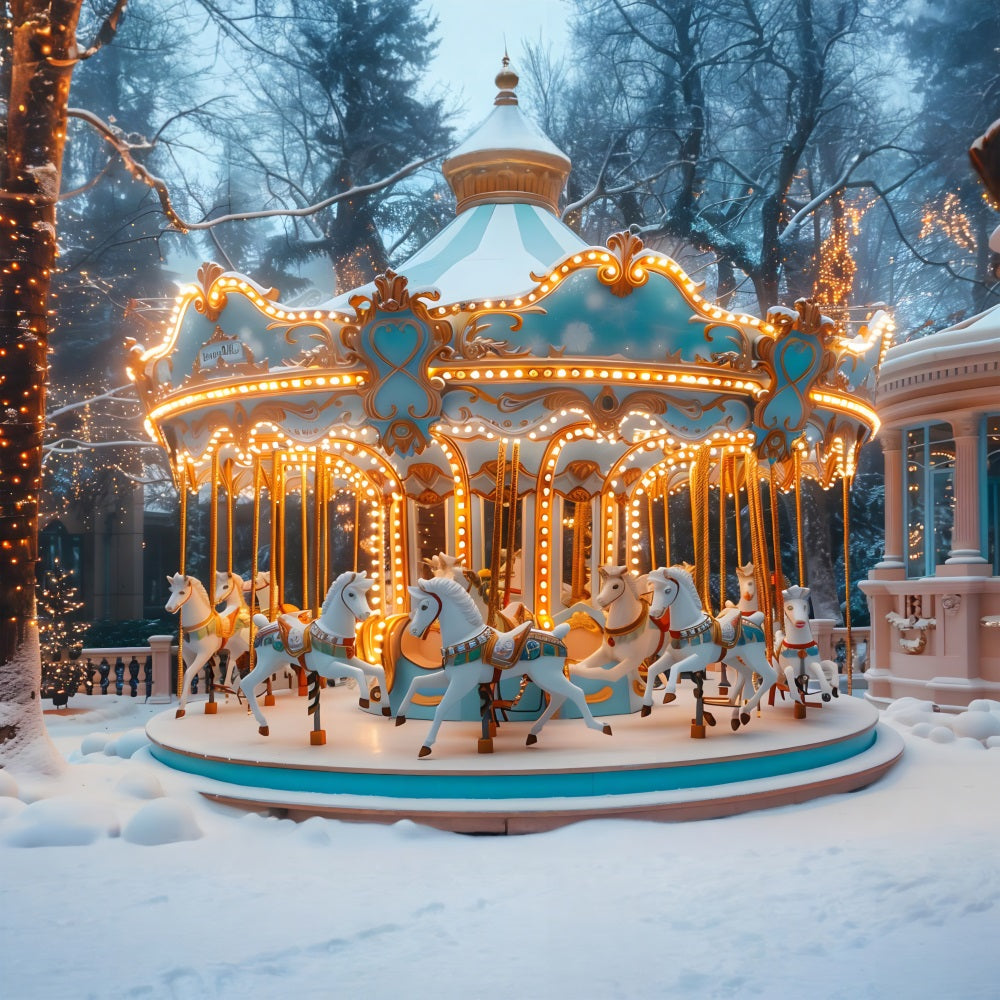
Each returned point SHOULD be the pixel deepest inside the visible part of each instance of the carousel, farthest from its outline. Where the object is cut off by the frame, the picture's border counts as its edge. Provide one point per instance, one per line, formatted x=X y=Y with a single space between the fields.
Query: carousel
x=517 y=482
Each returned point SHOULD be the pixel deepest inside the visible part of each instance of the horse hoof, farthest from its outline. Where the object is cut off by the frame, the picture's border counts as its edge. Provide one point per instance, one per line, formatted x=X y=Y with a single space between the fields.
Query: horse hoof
x=264 y=730
x=424 y=752
x=836 y=692
x=400 y=719
x=364 y=702
x=646 y=710
x=709 y=718
x=669 y=697
x=179 y=714
x=826 y=697
x=531 y=740
x=735 y=723
x=386 y=711
x=745 y=718
x=607 y=731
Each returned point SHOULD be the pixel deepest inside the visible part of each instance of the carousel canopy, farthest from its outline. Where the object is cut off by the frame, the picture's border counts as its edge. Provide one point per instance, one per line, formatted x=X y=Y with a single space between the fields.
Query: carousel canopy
x=604 y=366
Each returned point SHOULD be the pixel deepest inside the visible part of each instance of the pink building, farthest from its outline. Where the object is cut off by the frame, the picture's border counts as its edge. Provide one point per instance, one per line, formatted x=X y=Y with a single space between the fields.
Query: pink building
x=935 y=596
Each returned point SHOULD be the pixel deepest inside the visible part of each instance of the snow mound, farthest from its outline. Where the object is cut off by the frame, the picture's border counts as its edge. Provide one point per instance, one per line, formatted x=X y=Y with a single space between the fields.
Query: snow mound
x=984 y=705
x=8 y=786
x=94 y=743
x=61 y=822
x=315 y=831
x=941 y=734
x=979 y=724
x=10 y=808
x=140 y=785
x=162 y=821
x=127 y=744
x=408 y=830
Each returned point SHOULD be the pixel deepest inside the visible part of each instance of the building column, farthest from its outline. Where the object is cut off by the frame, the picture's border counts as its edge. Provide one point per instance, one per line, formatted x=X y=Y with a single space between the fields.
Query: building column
x=965 y=533
x=891 y=439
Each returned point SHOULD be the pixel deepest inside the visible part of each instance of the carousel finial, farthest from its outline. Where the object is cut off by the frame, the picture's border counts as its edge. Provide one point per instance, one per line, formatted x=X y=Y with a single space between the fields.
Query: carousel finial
x=506 y=81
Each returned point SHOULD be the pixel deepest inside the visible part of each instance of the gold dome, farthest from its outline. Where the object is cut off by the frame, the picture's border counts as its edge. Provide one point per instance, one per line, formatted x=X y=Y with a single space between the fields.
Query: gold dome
x=507 y=159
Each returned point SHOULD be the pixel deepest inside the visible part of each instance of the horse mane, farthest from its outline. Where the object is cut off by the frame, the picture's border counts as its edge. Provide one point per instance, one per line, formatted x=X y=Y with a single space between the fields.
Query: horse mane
x=445 y=587
x=683 y=579
x=337 y=585
x=200 y=589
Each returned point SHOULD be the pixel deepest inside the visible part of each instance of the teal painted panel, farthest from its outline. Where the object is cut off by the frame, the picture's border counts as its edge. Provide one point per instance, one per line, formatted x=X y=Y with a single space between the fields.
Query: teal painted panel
x=584 y=317
x=430 y=785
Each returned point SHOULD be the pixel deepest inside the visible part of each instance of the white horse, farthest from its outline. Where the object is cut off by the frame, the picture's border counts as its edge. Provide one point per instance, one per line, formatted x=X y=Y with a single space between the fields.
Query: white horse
x=235 y=618
x=698 y=639
x=260 y=590
x=472 y=651
x=450 y=567
x=631 y=635
x=798 y=654
x=201 y=625
x=749 y=606
x=325 y=645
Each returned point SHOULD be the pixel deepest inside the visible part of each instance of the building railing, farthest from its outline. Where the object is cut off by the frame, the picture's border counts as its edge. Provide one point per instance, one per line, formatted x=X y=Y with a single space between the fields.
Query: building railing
x=146 y=672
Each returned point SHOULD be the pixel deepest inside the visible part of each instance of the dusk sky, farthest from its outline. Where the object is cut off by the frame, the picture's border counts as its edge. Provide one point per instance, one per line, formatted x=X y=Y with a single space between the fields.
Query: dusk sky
x=472 y=44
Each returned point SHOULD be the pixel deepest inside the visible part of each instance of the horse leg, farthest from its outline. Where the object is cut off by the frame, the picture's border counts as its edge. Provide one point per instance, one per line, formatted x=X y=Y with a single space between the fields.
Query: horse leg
x=333 y=669
x=816 y=671
x=756 y=662
x=555 y=703
x=592 y=667
x=419 y=684
x=832 y=672
x=196 y=664
x=376 y=672
x=460 y=683
x=554 y=681
x=677 y=666
x=249 y=684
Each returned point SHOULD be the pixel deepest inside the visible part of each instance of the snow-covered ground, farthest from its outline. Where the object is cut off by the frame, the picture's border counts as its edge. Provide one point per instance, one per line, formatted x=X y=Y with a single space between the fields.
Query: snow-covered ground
x=890 y=891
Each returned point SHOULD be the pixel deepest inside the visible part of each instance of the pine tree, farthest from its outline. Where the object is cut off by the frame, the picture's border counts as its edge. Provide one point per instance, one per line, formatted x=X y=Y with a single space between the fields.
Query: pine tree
x=354 y=114
x=58 y=603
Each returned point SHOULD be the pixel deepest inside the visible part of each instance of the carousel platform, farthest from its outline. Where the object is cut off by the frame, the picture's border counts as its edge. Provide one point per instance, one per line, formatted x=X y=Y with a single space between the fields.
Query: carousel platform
x=649 y=769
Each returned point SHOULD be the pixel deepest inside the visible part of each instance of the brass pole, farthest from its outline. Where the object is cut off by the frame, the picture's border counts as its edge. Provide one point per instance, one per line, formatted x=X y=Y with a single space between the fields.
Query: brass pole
x=847 y=583
x=272 y=597
x=798 y=518
x=734 y=477
x=722 y=534
x=318 y=592
x=183 y=572
x=304 y=522
x=494 y=605
x=515 y=461
x=666 y=520
x=779 y=573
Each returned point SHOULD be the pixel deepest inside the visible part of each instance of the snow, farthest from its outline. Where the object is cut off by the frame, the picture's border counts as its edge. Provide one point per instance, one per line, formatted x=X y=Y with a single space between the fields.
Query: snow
x=890 y=891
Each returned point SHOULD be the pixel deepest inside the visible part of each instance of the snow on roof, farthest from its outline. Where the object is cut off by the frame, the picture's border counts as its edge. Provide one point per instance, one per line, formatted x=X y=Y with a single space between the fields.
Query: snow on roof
x=505 y=128
x=971 y=339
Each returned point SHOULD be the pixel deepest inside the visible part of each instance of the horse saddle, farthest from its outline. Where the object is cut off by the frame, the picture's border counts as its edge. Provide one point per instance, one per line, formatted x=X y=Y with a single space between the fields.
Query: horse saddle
x=503 y=649
x=293 y=631
x=234 y=621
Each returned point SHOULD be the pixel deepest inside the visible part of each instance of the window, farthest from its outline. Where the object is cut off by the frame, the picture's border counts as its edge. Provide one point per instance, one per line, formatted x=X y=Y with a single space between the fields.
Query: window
x=992 y=463
x=929 y=497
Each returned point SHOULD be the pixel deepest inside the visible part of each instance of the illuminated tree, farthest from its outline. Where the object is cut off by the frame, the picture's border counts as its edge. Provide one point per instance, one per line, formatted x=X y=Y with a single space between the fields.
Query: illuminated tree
x=58 y=604
x=39 y=50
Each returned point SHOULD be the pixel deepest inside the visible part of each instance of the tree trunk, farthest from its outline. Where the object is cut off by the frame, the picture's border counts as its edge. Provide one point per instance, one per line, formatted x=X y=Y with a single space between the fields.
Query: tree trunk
x=41 y=49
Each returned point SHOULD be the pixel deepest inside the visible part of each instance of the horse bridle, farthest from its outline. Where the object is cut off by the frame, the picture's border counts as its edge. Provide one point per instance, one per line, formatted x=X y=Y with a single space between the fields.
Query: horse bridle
x=437 y=614
x=344 y=599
